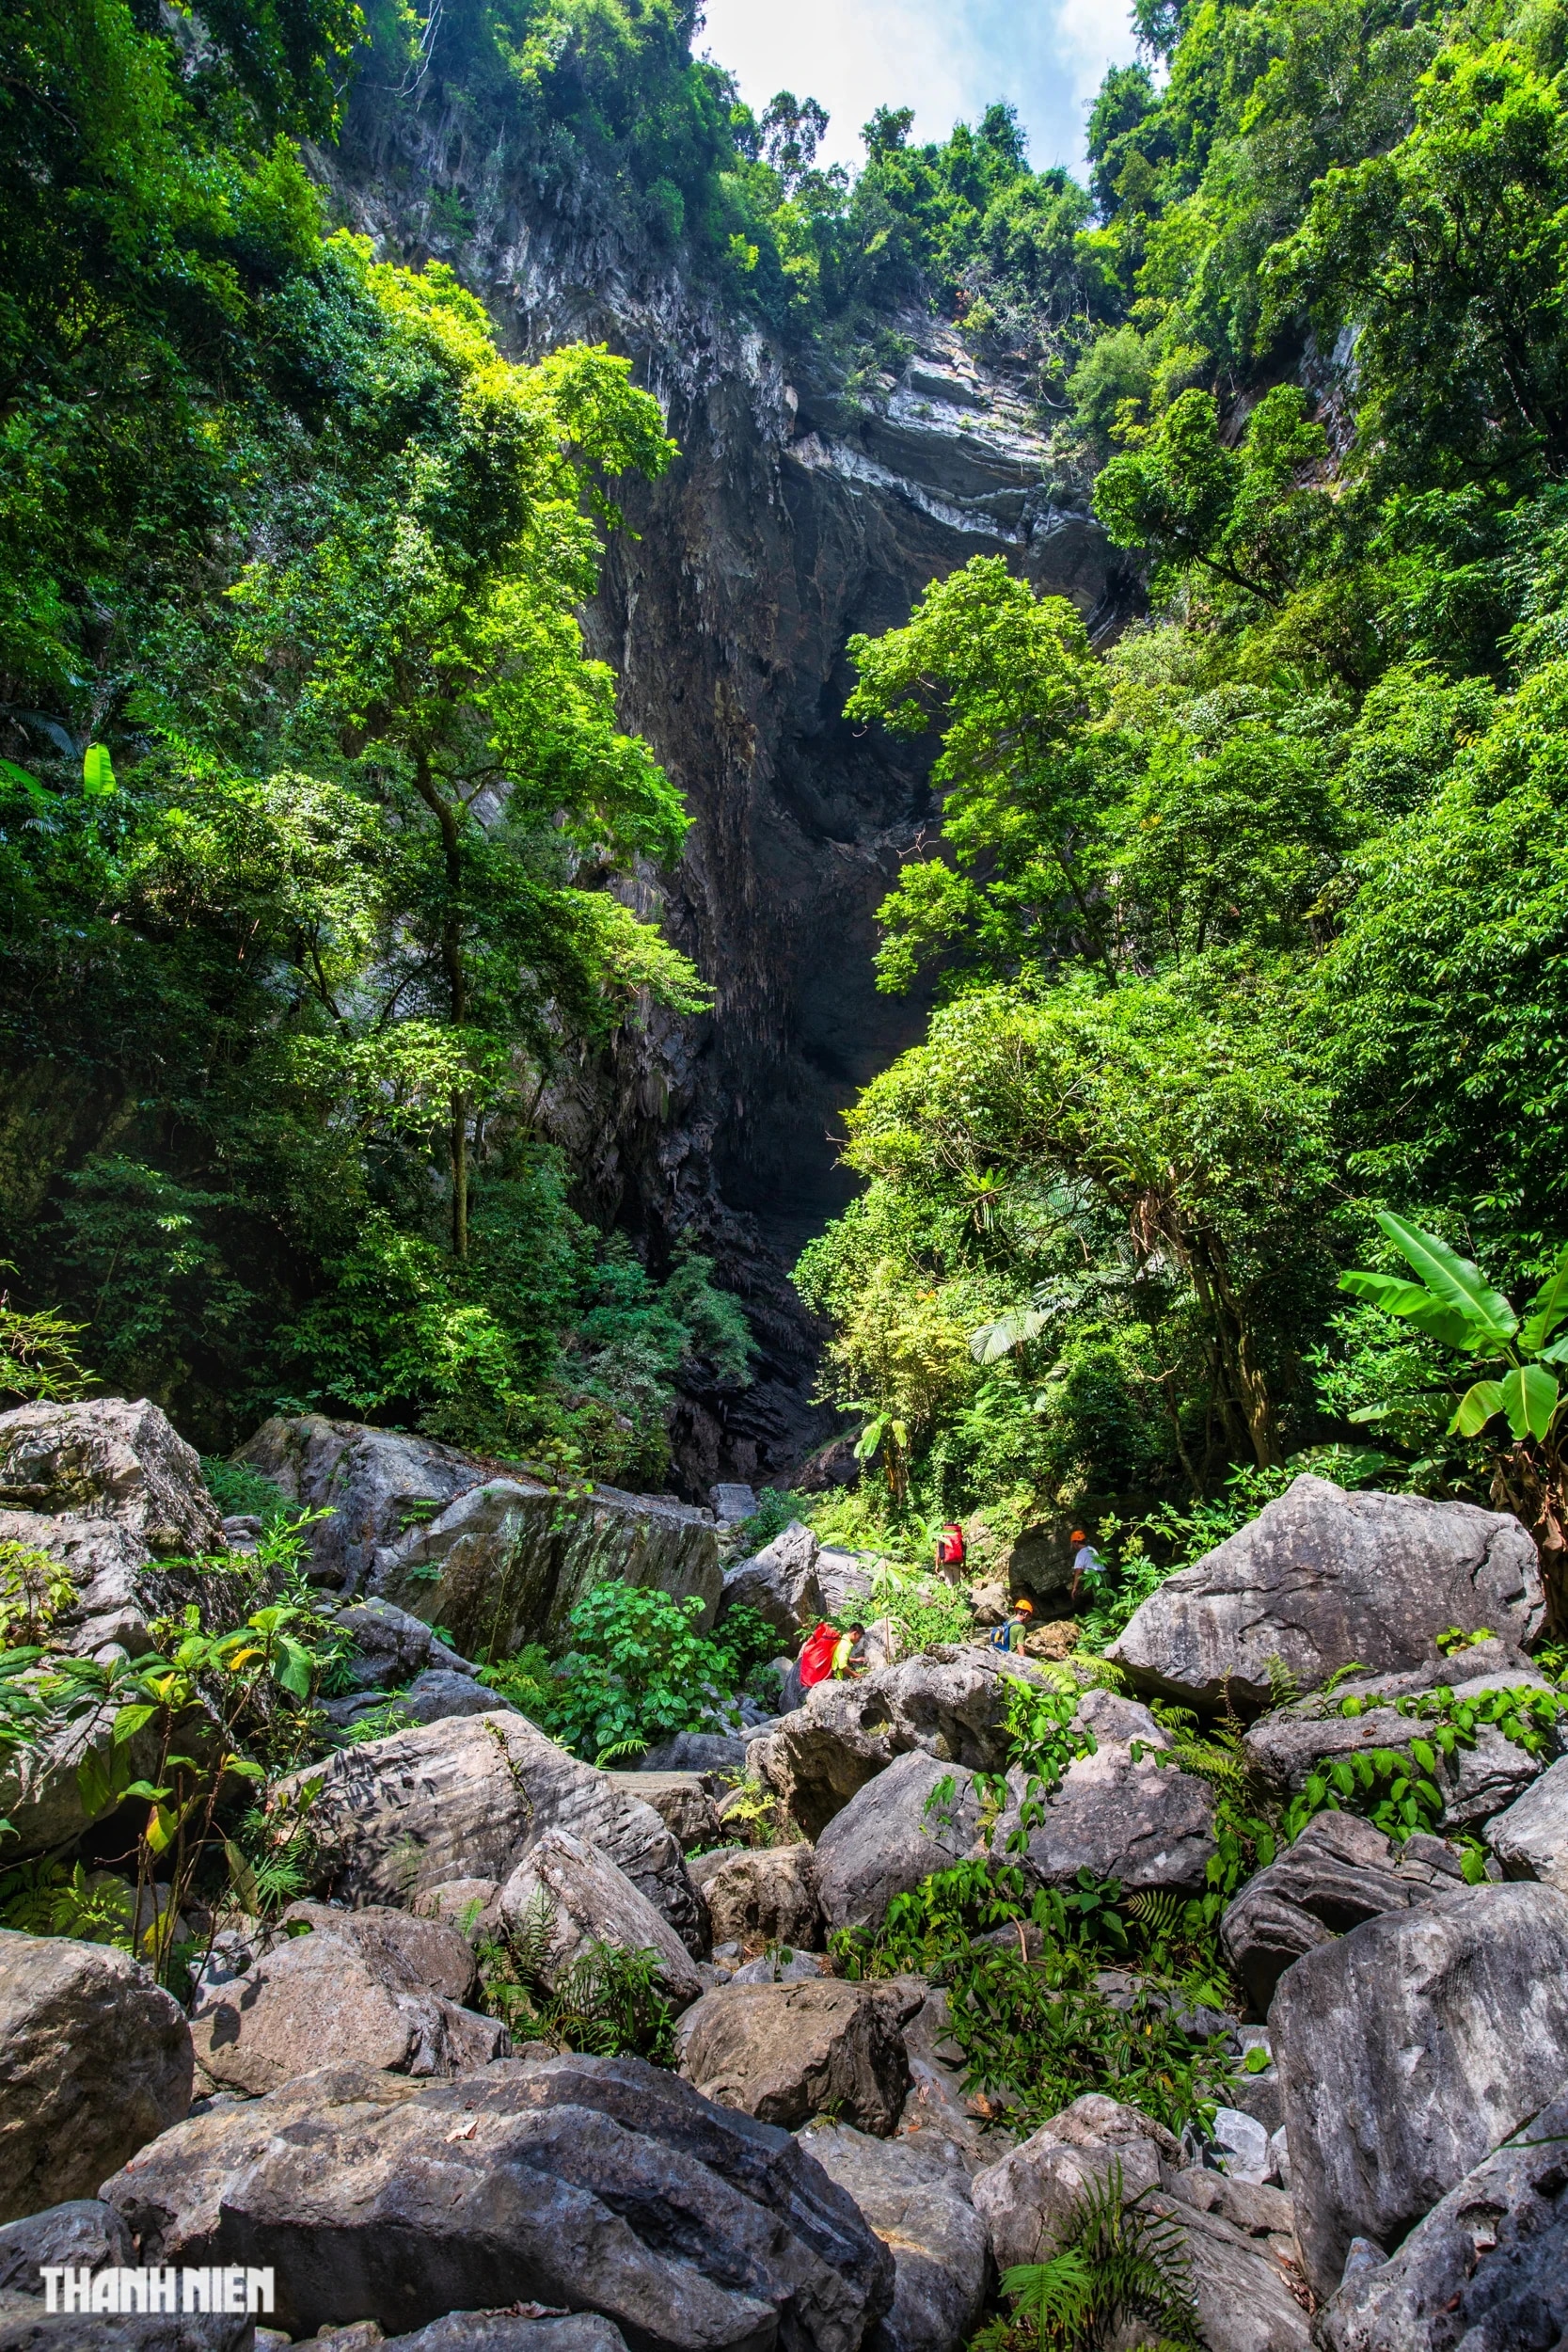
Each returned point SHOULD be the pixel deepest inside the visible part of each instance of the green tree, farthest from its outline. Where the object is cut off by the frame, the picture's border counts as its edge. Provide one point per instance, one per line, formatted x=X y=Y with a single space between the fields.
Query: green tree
x=1247 y=515
x=1012 y=676
x=1447 y=255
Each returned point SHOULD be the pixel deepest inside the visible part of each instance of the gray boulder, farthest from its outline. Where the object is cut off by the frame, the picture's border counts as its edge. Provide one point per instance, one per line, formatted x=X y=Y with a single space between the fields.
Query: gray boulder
x=732 y=1505
x=1121 y=1816
x=949 y=1702
x=892 y=1834
x=394 y=1819
x=697 y=1752
x=506 y=1572
x=1339 y=1871
x=1530 y=1838
x=391 y=1646
x=1322 y=1578
x=682 y=1801
x=404 y=1507
x=937 y=2113
x=589 y=2185
x=1408 y=2049
x=351 y=1992
x=110 y=1490
x=1476 y=1781
x=377 y=1483
x=770 y=1896
x=1487 y=2268
x=95 y=2061
x=84 y=2232
x=921 y=2209
x=431 y=1947
x=511 y=2331
x=793 y=1584
x=1029 y=2198
x=580 y=1894
x=1247 y=2285
x=787 y=2052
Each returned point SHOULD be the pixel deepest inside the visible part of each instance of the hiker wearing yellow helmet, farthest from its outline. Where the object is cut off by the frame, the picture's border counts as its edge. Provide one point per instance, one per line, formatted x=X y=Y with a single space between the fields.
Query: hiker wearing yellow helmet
x=1010 y=1636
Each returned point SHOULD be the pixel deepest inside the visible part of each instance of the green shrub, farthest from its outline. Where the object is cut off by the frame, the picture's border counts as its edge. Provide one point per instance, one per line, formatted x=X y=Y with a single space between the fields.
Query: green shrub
x=637 y=1670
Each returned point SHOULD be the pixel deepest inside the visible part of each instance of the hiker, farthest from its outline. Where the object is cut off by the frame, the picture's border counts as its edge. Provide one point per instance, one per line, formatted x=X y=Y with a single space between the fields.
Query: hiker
x=1010 y=1636
x=849 y=1654
x=1088 y=1567
x=950 y=1549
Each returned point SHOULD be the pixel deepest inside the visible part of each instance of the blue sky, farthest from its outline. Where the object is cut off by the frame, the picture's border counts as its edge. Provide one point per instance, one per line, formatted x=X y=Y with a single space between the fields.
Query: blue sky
x=945 y=58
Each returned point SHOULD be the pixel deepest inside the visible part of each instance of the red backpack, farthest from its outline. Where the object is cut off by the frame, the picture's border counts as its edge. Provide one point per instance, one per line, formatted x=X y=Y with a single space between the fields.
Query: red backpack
x=817 y=1659
x=950 y=1548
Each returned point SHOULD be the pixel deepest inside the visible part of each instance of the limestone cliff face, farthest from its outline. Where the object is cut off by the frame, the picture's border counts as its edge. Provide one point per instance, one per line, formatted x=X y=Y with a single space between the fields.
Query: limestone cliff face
x=795 y=516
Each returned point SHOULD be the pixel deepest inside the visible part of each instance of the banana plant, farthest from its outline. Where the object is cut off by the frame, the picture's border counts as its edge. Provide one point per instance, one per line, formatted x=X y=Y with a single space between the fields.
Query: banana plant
x=1452 y=1302
x=884 y=1428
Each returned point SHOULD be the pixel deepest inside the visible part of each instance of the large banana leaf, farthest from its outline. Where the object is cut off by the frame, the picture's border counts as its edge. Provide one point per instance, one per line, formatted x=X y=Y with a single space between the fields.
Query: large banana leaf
x=1529 y=1400
x=1423 y=1307
x=1457 y=1282
x=1547 y=1309
x=1476 y=1409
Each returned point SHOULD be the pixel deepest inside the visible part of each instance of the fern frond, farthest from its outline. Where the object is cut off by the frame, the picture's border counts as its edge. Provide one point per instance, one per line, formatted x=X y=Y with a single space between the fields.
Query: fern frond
x=530 y=1940
x=1284 y=1684
x=1158 y=1912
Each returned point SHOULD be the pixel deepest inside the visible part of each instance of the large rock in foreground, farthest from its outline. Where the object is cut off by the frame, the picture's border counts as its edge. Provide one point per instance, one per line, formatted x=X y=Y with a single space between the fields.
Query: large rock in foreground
x=109 y=1489
x=496 y=1561
x=597 y=2185
x=95 y=2061
x=466 y=1798
x=1407 y=2050
x=1321 y=1579
x=787 y=2052
x=921 y=2209
x=1487 y=2269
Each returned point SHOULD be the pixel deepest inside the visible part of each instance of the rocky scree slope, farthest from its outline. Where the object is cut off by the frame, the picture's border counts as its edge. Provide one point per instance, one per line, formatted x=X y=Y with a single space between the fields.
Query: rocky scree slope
x=815 y=2172
x=797 y=514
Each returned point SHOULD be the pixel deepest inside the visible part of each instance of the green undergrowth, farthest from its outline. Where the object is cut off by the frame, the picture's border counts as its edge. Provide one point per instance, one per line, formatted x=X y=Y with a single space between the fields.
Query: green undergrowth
x=636 y=1671
x=1399 y=1789
x=1035 y=2029
x=605 y=2002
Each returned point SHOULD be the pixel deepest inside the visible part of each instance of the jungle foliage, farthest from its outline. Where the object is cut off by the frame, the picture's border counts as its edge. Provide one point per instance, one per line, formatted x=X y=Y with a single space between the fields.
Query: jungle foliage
x=312 y=808
x=1249 y=926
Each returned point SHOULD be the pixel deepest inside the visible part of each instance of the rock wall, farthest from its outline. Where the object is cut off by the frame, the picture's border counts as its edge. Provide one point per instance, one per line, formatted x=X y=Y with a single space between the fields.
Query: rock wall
x=493 y=1560
x=795 y=516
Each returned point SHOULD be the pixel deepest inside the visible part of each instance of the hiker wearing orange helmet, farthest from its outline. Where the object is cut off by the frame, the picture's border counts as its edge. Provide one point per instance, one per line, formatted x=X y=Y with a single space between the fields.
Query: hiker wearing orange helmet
x=1088 y=1567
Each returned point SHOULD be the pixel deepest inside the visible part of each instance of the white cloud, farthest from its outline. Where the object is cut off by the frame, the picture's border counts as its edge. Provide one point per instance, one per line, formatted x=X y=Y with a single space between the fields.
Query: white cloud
x=946 y=60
